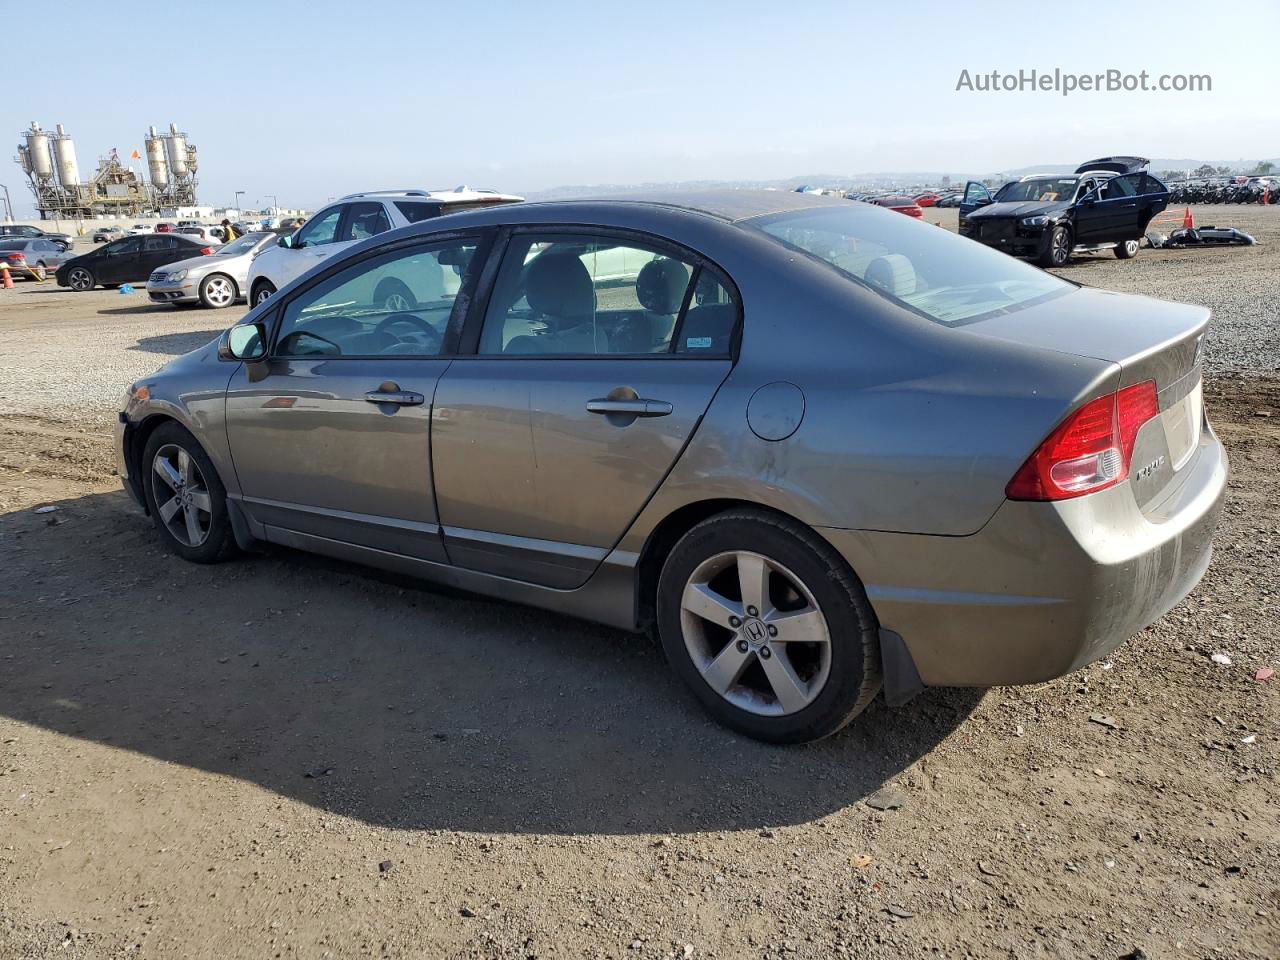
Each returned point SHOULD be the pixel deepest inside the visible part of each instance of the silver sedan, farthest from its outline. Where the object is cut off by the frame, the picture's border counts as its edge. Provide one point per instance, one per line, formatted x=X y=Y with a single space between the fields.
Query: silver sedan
x=33 y=258
x=820 y=448
x=217 y=280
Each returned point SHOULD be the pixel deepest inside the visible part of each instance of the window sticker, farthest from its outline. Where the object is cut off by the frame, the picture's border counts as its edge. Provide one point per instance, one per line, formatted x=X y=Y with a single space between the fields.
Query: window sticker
x=694 y=343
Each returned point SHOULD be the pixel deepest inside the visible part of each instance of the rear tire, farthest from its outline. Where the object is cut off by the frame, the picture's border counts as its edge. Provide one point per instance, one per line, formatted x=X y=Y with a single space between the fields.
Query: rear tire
x=768 y=627
x=1127 y=249
x=394 y=296
x=261 y=291
x=1058 y=249
x=187 y=500
x=217 y=291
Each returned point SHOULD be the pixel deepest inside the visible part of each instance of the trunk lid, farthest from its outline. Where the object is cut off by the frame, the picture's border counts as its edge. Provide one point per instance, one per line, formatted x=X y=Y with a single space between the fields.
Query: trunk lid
x=1147 y=339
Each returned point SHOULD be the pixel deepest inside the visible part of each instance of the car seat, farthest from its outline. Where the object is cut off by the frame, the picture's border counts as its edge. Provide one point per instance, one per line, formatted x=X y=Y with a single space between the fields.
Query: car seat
x=660 y=288
x=892 y=273
x=558 y=287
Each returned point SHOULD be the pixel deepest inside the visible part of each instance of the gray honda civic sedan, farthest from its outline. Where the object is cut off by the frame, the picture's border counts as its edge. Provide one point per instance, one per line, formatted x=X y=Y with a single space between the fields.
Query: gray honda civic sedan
x=819 y=447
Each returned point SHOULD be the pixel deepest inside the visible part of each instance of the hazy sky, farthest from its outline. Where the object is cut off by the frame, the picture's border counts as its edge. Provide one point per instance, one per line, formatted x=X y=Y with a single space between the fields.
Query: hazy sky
x=311 y=100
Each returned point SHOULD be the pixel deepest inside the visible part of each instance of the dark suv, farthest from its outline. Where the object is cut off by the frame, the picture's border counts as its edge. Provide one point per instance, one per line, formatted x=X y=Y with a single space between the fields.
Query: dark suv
x=1105 y=205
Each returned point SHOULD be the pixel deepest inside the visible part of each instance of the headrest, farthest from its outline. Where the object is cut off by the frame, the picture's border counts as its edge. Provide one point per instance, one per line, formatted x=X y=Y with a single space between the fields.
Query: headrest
x=892 y=273
x=559 y=285
x=661 y=285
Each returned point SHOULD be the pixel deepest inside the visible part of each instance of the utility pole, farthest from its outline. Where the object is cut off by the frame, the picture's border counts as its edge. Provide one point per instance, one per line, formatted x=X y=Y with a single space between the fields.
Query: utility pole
x=239 y=194
x=8 y=204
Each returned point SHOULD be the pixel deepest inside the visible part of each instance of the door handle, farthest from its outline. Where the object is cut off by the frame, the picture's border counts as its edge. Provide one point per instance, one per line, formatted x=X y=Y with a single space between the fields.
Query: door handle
x=635 y=408
x=402 y=398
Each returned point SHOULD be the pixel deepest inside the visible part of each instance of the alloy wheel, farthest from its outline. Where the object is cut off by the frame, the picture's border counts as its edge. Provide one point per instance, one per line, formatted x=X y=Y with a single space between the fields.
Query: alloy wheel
x=80 y=279
x=1061 y=250
x=263 y=294
x=219 y=291
x=187 y=512
x=755 y=633
x=396 y=303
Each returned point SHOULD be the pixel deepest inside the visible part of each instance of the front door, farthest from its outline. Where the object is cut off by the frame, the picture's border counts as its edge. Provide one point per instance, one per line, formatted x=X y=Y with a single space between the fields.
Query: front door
x=597 y=358
x=318 y=239
x=119 y=261
x=330 y=435
x=975 y=195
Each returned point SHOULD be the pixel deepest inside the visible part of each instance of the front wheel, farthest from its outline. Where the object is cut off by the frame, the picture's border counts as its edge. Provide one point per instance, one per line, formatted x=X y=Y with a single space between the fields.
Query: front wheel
x=1127 y=250
x=262 y=290
x=186 y=498
x=766 y=624
x=1058 y=250
x=217 y=290
x=80 y=279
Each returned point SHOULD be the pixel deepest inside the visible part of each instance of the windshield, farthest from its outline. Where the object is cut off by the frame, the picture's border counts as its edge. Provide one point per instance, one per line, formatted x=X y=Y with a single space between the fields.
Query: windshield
x=241 y=245
x=942 y=276
x=1045 y=190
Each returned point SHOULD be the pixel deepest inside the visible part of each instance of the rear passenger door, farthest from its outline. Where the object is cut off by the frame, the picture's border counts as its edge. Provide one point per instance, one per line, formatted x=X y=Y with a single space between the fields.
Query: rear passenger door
x=575 y=391
x=157 y=250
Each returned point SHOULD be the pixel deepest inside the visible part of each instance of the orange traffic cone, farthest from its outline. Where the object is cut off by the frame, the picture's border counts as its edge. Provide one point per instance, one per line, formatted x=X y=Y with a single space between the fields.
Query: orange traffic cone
x=7 y=280
x=1187 y=222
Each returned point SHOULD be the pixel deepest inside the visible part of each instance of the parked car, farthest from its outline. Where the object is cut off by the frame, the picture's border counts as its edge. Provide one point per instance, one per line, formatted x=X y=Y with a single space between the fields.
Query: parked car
x=1105 y=205
x=993 y=477
x=140 y=229
x=201 y=233
x=189 y=223
x=106 y=234
x=166 y=227
x=950 y=200
x=901 y=204
x=32 y=257
x=128 y=260
x=217 y=279
x=23 y=231
x=351 y=219
x=927 y=199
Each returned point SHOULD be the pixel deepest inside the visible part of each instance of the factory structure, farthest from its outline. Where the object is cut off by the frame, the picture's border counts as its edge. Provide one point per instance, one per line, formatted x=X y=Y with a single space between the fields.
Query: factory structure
x=114 y=190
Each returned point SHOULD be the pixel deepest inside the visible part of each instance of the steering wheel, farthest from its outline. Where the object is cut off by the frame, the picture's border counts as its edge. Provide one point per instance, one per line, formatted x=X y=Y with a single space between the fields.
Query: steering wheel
x=433 y=338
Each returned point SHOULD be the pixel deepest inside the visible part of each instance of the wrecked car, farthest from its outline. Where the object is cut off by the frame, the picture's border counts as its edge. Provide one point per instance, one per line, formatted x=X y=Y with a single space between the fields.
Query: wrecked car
x=1106 y=204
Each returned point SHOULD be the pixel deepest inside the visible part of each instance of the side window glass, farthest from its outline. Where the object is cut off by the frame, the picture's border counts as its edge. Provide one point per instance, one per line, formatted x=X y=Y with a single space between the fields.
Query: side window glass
x=1151 y=185
x=158 y=244
x=395 y=305
x=1118 y=187
x=366 y=220
x=320 y=230
x=573 y=295
x=125 y=247
x=707 y=328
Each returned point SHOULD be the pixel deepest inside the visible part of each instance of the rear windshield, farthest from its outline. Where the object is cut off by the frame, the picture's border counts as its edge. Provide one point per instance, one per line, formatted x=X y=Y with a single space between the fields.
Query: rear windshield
x=944 y=277
x=417 y=212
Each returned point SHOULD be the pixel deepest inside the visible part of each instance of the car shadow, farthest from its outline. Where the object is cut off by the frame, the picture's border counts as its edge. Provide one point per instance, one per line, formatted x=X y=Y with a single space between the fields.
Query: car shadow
x=175 y=344
x=382 y=699
x=145 y=307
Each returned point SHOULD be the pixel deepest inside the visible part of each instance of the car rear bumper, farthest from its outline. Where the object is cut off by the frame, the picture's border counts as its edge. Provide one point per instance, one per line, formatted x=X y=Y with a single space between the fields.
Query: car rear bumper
x=1043 y=588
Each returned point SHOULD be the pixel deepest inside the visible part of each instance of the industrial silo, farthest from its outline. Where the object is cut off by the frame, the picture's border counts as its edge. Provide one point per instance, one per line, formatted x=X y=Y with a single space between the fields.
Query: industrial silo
x=38 y=152
x=64 y=155
x=156 y=163
x=177 y=143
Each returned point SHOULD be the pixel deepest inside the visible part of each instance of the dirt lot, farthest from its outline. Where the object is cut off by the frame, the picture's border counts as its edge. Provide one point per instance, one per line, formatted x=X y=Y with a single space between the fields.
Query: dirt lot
x=218 y=761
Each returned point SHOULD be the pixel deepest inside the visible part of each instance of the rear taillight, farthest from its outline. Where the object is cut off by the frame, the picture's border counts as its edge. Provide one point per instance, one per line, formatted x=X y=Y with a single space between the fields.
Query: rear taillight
x=1090 y=450
x=15 y=256
x=206 y=251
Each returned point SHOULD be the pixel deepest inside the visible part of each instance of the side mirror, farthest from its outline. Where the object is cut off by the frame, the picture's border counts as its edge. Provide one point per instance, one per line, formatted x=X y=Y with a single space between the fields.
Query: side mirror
x=1089 y=199
x=244 y=341
x=288 y=243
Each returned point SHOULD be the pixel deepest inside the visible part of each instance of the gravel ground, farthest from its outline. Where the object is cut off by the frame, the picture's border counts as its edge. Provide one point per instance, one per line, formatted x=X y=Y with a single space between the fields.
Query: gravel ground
x=108 y=340
x=289 y=757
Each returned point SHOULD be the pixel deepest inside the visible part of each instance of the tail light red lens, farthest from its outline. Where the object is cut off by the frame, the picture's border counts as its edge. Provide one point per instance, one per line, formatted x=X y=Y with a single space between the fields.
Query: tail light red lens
x=206 y=251
x=14 y=256
x=1090 y=450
